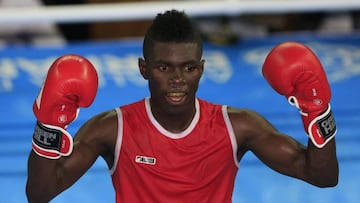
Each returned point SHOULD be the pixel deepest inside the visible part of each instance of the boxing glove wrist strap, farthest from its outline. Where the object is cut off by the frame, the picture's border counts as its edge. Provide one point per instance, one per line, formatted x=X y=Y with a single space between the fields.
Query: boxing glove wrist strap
x=51 y=141
x=322 y=128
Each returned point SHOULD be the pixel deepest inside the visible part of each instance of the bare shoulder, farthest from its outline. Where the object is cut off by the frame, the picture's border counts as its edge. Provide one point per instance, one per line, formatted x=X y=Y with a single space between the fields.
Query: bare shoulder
x=99 y=132
x=249 y=126
x=246 y=118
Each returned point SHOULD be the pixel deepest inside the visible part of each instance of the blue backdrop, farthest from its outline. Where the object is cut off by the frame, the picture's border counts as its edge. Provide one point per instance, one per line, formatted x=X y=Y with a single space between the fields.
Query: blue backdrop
x=232 y=76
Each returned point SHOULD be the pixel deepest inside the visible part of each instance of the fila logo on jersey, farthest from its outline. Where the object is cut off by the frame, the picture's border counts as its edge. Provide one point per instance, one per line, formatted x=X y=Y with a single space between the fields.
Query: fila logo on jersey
x=145 y=160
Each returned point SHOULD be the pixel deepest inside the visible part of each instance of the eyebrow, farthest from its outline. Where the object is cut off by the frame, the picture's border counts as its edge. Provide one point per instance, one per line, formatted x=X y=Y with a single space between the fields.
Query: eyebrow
x=180 y=63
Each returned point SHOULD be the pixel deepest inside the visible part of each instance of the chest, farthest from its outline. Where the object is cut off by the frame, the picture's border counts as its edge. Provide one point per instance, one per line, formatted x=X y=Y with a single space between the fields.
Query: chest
x=203 y=151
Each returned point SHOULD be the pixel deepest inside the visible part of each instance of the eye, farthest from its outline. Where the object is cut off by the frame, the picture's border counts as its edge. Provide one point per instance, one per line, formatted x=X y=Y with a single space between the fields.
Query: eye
x=163 y=67
x=190 y=67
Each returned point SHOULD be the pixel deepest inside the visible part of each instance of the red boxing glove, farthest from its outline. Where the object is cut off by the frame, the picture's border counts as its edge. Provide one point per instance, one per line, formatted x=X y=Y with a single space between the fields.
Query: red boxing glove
x=71 y=82
x=294 y=71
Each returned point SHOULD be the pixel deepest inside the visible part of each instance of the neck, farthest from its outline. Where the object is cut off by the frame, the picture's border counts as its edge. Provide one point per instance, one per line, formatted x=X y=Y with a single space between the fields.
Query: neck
x=174 y=120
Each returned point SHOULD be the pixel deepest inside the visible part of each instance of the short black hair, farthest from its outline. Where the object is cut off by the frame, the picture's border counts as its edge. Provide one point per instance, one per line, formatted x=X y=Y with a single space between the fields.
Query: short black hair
x=171 y=26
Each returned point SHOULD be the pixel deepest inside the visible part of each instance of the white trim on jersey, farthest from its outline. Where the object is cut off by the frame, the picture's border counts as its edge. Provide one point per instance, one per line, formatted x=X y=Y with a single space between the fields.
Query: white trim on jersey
x=231 y=134
x=118 y=140
x=168 y=133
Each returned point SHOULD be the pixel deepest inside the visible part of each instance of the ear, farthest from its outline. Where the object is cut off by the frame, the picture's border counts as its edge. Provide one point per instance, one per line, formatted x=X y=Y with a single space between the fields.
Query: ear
x=202 y=62
x=201 y=67
x=143 y=68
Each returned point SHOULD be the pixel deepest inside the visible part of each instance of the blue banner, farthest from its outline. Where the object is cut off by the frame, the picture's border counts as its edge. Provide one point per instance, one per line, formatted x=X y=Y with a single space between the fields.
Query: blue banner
x=232 y=76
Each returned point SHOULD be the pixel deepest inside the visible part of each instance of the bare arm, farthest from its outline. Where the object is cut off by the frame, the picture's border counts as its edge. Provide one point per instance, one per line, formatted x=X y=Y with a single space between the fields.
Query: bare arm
x=283 y=153
x=47 y=178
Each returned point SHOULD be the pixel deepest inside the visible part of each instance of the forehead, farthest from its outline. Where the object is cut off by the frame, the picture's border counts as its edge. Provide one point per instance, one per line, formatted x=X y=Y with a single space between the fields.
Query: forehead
x=184 y=51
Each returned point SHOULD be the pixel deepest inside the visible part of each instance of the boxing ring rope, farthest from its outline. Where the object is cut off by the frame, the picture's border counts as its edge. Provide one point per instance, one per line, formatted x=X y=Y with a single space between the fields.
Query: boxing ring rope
x=147 y=10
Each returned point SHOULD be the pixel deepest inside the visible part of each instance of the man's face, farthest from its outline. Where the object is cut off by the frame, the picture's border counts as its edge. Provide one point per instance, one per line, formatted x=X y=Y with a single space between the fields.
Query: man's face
x=173 y=71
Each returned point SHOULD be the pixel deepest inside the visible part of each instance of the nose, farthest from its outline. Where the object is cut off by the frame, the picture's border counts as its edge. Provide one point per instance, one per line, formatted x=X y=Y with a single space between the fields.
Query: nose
x=177 y=76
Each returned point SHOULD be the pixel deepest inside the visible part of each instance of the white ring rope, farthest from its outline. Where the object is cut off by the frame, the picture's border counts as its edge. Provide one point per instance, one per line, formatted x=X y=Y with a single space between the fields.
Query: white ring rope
x=147 y=10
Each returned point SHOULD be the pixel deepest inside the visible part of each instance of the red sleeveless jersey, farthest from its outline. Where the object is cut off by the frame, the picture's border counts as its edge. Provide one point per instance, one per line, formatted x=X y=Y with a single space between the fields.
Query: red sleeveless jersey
x=153 y=165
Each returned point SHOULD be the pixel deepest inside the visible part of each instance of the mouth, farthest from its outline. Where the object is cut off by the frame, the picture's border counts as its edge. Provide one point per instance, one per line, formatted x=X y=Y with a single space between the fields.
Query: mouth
x=176 y=97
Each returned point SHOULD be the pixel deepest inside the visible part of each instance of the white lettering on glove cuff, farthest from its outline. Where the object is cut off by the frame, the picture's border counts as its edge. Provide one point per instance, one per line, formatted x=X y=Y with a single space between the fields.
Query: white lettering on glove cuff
x=322 y=128
x=51 y=141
